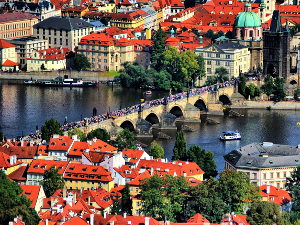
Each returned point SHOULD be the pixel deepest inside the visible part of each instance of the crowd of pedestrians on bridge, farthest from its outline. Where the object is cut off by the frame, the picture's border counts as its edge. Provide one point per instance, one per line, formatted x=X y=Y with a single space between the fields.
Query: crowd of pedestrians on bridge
x=125 y=111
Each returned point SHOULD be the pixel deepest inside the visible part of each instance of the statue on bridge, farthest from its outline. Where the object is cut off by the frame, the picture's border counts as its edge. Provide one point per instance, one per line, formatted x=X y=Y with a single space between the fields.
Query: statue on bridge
x=165 y=100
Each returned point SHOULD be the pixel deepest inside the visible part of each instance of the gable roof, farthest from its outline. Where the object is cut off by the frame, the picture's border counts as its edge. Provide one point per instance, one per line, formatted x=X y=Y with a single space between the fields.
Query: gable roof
x=5 y=44
x=62 y=143
x=19 y=175
x=5 y=161
x=16 y=16
x=32 y=193
x=276 y=195
x=22 y=152
x=40 y=165
x=9 y=63
x=78 y=148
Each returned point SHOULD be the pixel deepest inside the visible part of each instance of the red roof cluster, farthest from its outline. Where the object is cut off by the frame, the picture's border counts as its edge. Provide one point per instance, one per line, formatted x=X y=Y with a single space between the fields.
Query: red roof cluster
x=7 y=161
x=53 y=53
x=275 y=194
x=62 y=143
x=40 y=165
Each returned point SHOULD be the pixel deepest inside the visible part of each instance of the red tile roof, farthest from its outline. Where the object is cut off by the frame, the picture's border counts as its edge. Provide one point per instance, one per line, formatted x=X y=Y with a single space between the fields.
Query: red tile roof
x=16 y=16
x=97 y=144
x=22 y=152
x=276 y=195
x=87 y=172
x=5 y=44
x=53 y=53
x=5 y=161
x=63 y=143
x=42 y=150
x=126 y=2
x=172 y=41
x=126 y=171
x=75 y=9
x=78 y=148
x=133 y=155
x=176 y=4
x=19 y=175
x=236 y=219
x=138 y=179
x=32 y=193
x=98 y=39
x=40 y=165
x=198 y=218
x=9 y=63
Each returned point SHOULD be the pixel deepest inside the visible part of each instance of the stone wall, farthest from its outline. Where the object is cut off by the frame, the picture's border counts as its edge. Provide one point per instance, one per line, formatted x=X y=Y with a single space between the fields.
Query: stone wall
x=47 y=75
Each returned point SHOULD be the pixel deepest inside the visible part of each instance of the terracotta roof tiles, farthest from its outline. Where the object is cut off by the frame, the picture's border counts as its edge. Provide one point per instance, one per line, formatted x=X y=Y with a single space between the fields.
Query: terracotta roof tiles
x=32 y=193
x=40 y=165
x=5 y=161
x=5 y=44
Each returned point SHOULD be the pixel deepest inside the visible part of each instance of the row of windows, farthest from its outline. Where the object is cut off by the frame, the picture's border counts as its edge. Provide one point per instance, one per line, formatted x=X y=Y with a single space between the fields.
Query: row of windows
x=277 y=175
x=50 y=33
x=16 y=34
x=46 y=62
x=33 y=176
x=218 y=63
x=217 y=55
x=15 y=26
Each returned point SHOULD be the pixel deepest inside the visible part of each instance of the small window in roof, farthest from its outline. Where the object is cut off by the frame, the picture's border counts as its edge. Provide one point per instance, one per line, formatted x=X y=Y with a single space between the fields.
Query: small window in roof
x=271 y=162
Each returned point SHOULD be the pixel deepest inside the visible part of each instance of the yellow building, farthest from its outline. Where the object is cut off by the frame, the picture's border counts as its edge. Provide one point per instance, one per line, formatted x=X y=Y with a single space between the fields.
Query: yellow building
x=48 y=59
x=107 y=53
x=87 y=177
x=9 y=163
x=75 y=11
x=17 y=24
x=129 y=20
x=265 y=163
x=234 y=57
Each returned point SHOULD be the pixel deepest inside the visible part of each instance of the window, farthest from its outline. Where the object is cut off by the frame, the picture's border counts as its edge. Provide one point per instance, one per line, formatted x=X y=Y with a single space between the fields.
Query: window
x=105 y=48
x=271 y=175
x=217 y=55
x=105 y=60
x=67 y=42
x=255 y=175
x=284 y=174
x=131 y=189
x=137 y=203
x=278 y=175
x=55 y=41
x=217 y=63
x=60 y=41
x=278 y=185
x=136 y=189
x=93 y=59
x=227 y=56
x=49 y=40
x=105 y=54
x=265 y=176
x=226 y=63
x=54 y=32
x=99 y=53
x=136 y=212
x=208 y=54
x=209 y=70
x=208 y=62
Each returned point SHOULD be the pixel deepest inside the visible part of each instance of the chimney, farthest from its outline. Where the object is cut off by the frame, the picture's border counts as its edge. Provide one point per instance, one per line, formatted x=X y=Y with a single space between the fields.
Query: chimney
x=112 y=222
x=147 y=219
x=46 y=223
x=11 y=160
x=92 y=219
x=89 y=200
x=15 y=159
x=52 y=201
x=74 y=198
x=268 y=189
x=104 y=215
x=64 y=219
x=124 y=215
x=74 y=137
x=64 y=192
x=22 y=143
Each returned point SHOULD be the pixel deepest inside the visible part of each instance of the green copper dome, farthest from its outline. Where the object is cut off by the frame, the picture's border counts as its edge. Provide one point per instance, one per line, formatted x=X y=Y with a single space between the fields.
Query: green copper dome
x=247 y=19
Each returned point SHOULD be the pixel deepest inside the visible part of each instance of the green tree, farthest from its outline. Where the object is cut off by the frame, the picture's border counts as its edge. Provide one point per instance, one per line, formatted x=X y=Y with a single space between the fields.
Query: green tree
x=205 y=160
x=43 y=67
x=268 y=86
x=279 y=90
x=169 y=62
x=81 y=62
x=99 y=134
x=49 y=128
x=76 y=131
x=201 y=71
x=125 y=139
x=188 y=66
x=126 y=200
x=180 y=148
x=52 y=181
x=293 y=186
x=211 y=80
x=162 y=80
x=252 y=91
x=264 y=213
x=222 y=74
x=164 y=197
x=236 y=191
x=157 y=48
x=156 y=151
x=13 y=203
x=242 y=85
x=204 y=199
x=116 y=208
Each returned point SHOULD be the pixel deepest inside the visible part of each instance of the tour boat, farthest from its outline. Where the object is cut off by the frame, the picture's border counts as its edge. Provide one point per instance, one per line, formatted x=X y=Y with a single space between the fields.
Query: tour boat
x=67 y=82
x=230 y=135
x=148 y=93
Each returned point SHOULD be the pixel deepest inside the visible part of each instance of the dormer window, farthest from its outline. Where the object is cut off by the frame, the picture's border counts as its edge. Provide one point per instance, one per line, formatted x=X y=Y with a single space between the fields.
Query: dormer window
x=94 y=170
x=53 y=143
x=72 y=168
x=64 y=144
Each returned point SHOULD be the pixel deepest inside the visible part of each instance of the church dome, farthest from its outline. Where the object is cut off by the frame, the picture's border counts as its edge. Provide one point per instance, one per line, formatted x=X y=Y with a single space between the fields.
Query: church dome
x=247 y=19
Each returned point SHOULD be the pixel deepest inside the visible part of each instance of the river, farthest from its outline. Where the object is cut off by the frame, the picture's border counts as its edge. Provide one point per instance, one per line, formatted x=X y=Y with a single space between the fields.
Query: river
x=23 y=107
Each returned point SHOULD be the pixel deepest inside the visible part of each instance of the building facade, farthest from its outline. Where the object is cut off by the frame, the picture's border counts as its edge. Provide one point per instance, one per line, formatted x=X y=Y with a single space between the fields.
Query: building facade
x=17 y=25
x=62 y=32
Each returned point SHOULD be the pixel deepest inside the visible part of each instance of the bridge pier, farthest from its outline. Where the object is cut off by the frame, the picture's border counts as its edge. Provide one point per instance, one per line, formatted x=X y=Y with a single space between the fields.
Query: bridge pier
x=143 y=127
x=191 y=113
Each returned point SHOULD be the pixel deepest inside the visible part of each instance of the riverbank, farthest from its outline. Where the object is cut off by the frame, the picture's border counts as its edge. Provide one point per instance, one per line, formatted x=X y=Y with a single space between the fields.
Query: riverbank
x=48 y=75
x=283 y=105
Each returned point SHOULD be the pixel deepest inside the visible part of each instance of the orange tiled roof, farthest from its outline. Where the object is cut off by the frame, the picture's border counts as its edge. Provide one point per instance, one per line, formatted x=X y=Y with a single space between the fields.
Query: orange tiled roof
x=63 y=143
x=53 y=53
x=97 y=144
x=32 y=193
x=126 y=171
x=40 y=165
x=78 y=148
x=176 y=4
x=133 y=155
x=42 y=150
x=236 y=219
x=19 y=174
x=5 y=161
x=276 y=195
x=87 y=172
x=138 y=179
x=126 y=2
x=98 y=39
x=9 y=63
x=22 y=152
x=5 y=44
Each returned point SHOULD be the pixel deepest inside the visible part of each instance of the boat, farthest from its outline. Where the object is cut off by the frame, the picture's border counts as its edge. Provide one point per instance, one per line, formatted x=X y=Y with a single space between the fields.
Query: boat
x=148 y=93
x=29 y=82
x=230 y=135
x=67 y=82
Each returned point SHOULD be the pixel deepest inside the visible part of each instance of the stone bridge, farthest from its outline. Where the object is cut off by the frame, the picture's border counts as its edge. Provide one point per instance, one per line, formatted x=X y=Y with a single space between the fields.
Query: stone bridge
x=188 y=108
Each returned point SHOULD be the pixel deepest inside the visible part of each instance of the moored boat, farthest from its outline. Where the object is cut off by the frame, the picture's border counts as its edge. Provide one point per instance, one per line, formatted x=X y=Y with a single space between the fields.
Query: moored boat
x=230 y=135
x=67 y=82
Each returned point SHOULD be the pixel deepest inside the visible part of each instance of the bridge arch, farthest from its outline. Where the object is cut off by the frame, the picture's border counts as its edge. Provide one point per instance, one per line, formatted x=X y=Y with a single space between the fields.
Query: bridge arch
x=224 y=99
x=176 y=111
x=152 y=118
x=200 y=104
x=127 y=124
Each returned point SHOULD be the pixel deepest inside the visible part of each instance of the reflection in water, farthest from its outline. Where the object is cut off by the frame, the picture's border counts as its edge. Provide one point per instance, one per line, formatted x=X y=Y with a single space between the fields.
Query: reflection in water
x=22 y=108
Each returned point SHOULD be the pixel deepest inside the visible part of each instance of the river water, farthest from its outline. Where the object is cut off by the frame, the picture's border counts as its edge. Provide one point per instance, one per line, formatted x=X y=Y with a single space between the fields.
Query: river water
x=23 y=107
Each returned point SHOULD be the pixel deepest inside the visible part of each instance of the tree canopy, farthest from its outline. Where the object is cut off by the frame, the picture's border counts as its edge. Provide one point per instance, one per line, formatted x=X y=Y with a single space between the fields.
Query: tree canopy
x=279 y=90
x=52 y=181
x=268 y=86
x=125 y=139
x=180 y=147
x=99 y=134
x=205 y=160
x=49 y=128
x=156 y=151
x=76 y=131
x=293 y=186
x=157 y=48
x=222 y=74
x=13 y=203
x=81 y=62
x=126 y=200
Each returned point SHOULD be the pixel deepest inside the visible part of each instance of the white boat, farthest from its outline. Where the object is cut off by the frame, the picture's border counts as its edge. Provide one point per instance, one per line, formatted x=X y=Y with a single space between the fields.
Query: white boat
x=230 y=135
